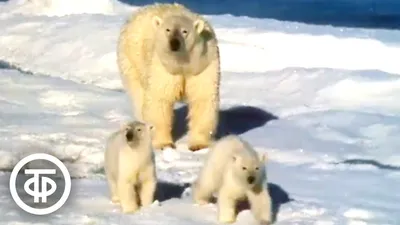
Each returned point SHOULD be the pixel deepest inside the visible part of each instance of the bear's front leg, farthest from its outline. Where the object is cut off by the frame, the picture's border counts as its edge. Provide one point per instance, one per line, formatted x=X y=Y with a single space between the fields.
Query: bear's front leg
x=226 y=206
x=159 y=113
x=202 y=94
x=136 y=95
x=202 y=123
x=127 y=196
x=260 y=204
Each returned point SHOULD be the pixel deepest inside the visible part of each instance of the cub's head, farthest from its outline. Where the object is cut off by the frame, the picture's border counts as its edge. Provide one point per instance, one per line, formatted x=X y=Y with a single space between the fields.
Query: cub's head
x=177 y=33
x=249 y=168
x=137 y=133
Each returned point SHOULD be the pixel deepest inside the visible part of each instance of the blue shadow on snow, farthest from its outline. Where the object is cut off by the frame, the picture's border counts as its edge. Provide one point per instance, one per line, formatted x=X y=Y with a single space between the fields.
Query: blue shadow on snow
x=167 y=190
x=235 y=120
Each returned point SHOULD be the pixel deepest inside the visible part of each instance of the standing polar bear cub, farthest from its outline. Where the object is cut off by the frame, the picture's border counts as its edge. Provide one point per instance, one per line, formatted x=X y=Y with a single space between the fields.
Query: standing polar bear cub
x=234 y=171
x=167 y=53
x=129 y=166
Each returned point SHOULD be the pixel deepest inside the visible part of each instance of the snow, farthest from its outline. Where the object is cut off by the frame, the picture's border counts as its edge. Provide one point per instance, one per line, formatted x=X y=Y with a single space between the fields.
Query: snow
x=62 y=8
x=322 y=101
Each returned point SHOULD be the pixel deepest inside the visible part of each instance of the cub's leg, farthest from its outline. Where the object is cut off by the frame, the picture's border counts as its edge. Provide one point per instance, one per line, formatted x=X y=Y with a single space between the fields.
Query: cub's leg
x=148 y=187
x=127 y=195
x=226 y=206
x=260 y=204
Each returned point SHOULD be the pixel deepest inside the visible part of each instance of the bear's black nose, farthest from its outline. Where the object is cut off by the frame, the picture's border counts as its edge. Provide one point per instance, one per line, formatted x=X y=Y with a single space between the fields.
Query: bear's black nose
x=250 y=179
x=174 y=44
x=129 y=135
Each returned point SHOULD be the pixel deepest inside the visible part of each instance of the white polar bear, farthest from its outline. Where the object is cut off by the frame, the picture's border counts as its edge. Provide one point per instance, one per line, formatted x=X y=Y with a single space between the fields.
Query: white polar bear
x=129 y=166
x=234 y=171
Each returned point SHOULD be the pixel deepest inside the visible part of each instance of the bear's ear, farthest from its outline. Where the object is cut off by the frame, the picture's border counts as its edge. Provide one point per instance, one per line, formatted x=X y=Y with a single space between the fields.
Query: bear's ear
x=199 y=26
x=157 y=21
x=263 y=157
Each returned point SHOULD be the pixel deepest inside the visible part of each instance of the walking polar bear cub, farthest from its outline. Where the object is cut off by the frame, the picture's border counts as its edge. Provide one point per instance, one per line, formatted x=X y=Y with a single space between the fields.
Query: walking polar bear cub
x=167 y=53
x=233 y=170
x=129 y=166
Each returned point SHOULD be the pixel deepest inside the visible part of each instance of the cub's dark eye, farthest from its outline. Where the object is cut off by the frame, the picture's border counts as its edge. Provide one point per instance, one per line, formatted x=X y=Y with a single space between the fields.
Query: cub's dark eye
x=257 y=168
x=168 y=30
x=244 y=168
x=138 y=129
x=184 y=31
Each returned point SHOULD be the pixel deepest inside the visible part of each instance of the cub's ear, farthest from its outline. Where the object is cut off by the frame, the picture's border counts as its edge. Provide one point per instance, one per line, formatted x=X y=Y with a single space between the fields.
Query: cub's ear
x=124 y=126
x=129 y=135
x=199 y=25
x=263 y=157
x=157 y=21
x=234 y=158
x=151 y=127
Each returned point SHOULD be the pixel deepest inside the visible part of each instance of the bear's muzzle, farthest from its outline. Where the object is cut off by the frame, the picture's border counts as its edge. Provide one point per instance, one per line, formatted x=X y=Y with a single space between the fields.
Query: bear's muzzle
x=251 y=179
x=174 y=44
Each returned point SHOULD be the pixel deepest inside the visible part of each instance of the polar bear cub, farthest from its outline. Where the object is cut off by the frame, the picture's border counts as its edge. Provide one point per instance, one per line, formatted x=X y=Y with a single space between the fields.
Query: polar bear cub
x=129 y=166
x=234 y=171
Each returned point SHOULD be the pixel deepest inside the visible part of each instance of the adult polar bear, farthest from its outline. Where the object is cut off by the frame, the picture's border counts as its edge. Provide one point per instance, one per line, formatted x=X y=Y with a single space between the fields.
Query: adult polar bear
x=167 y=53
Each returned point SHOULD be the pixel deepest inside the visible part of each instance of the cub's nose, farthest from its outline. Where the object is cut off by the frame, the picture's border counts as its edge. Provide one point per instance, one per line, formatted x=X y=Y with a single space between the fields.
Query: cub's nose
x=251 y=179
x=174 y=44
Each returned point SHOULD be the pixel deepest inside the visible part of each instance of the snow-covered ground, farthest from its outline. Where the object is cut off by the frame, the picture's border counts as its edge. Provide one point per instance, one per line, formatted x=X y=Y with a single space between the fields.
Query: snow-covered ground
x=322 y=101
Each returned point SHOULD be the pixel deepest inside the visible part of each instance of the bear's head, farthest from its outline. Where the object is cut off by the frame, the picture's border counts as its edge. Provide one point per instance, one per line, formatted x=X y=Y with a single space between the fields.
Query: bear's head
x=249 y=169
x=176 y=34
x=137 y=133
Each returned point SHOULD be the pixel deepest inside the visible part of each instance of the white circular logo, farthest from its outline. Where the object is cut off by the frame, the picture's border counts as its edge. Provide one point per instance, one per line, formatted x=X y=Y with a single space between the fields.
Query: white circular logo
x=42 y=193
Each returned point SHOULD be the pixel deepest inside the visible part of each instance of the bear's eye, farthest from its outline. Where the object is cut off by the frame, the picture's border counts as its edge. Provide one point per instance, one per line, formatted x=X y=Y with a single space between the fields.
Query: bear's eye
x=244 y=168
x=138 y=129
x=184 y=31
x=257 y=168
x=168 y=30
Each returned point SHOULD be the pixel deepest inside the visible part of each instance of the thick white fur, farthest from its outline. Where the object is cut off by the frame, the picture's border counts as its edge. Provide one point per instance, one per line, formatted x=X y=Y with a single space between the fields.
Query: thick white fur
x=130 y=167
x=156 y=78
x=223 y=174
